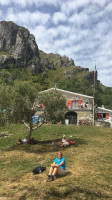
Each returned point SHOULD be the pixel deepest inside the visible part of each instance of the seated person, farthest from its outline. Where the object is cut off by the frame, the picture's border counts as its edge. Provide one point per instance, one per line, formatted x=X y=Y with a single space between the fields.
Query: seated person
x=57 y=168
x=64 y=141
x=24 y=141
x=81 y=105
x=19 y=141
x=32 y=141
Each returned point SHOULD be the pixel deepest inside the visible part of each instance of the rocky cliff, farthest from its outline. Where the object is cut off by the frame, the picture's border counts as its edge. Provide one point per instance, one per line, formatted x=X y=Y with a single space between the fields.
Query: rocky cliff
x=18 y=47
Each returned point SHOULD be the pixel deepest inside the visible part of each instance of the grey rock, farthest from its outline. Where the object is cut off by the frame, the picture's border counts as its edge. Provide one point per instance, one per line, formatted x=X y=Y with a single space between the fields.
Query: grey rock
x=7 y=61
x=17 y=47
x=64 y=62
x=46 y=63
x=76 y=69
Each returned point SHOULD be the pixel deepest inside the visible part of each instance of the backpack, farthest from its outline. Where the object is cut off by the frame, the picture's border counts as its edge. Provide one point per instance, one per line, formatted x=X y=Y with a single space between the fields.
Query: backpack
x=39 y=169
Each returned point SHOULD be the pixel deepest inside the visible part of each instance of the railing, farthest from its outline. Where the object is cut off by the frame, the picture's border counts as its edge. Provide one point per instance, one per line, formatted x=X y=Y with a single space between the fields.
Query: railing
x=70 y=108
x=81 y=109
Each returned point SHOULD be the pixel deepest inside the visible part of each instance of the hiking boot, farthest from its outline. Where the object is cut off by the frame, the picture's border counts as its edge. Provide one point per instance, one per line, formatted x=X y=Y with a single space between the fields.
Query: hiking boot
x=48 y=179
x=51 y=178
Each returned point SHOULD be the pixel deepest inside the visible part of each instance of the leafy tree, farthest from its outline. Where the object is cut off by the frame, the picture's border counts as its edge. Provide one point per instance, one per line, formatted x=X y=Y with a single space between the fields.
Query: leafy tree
x=20 y=105
x=4 y=104
x=54 y=106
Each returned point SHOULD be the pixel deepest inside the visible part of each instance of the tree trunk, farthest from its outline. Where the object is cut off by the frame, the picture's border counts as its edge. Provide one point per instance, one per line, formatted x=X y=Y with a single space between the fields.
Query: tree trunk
x=29 y=133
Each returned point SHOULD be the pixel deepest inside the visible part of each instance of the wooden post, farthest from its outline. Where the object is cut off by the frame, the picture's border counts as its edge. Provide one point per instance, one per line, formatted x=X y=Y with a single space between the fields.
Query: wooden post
x=93 y=113
x=94 y=94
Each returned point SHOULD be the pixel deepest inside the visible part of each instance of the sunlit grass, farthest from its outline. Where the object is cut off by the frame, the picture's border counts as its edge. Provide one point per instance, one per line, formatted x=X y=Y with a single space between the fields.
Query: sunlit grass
x=88 y=163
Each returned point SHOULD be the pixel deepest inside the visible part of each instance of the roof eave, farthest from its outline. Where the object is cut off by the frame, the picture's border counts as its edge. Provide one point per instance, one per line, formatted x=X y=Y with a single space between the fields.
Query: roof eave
x=67 y=92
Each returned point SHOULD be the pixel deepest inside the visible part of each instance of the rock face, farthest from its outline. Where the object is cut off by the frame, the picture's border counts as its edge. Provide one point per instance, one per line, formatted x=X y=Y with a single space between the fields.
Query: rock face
x=18 y=47
x=64 y=61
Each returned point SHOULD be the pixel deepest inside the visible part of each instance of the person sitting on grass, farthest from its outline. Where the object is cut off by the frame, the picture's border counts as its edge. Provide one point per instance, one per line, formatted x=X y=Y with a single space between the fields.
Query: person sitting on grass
x=57 y=168
x=64 y=141
x=19 y=141
x=25 y=141
x=33 y=141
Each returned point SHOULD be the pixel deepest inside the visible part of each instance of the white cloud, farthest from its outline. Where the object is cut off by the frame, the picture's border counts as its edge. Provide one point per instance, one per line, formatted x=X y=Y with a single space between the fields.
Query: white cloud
x=27 y=18
x=102 y=28
x=46 y=38
x=72 y=5
x=99 y=2
x=105 y=76
x=25 y=3
x=78 y=19
x=5 y=2
x=0 y=13
x=109 y=7
x=59 y=17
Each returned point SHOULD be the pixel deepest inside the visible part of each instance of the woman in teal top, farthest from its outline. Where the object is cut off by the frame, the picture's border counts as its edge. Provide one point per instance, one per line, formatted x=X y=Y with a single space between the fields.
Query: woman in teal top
x=57 y=168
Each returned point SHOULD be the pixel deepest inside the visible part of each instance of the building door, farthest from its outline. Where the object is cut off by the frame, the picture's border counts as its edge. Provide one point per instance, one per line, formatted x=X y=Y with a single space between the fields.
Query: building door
x=71 y=117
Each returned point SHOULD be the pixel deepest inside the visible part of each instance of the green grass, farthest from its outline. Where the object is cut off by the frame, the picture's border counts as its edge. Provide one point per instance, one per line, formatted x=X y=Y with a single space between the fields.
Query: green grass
x=88 y=163
x=4 y=53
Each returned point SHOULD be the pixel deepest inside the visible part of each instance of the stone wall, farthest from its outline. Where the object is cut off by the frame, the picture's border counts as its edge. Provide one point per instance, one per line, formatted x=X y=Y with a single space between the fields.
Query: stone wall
x=84 y=115
x=75 y=97
x=102 y=124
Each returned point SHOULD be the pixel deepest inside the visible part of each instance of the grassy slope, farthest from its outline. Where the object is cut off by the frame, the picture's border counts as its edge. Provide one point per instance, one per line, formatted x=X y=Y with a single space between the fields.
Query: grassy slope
x=88 y=164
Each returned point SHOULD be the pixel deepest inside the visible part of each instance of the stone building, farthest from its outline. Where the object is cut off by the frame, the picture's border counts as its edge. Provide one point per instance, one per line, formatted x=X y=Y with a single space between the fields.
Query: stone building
x=80 y=107
x=103 y=117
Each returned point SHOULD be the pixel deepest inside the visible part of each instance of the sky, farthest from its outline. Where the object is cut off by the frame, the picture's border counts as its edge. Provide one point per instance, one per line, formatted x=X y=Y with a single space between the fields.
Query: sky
x=79 y=29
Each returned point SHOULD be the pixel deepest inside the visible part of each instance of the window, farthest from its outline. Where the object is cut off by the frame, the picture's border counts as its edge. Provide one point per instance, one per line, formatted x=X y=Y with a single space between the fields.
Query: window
x=74 y=104
x=102 y=115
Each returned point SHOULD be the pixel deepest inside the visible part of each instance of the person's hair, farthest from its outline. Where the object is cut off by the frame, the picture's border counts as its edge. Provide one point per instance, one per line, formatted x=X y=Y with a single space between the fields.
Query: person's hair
x=60 y=153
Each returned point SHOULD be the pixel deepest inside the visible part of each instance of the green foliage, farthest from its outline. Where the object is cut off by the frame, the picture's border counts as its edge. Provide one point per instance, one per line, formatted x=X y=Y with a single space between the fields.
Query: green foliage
x=4 y=53
x=77 y=83
x=9 y=76
x=106 y=98
x=4 y=103
x=54 y=105
x=22 y=104
x=19 y=102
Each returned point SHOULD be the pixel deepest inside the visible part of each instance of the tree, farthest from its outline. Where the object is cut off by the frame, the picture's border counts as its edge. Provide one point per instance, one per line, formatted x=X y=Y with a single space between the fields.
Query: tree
x=54 y=106
x=19 y=102
x=4 y=104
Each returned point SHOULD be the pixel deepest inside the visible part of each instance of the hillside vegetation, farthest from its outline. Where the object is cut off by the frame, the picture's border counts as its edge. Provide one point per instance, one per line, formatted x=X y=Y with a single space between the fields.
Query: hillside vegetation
x=72 y=78
x=88 y=163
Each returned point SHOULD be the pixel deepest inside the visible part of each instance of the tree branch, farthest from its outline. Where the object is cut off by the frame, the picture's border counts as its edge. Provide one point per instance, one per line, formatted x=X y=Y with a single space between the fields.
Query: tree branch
x=37 y=126
x=26 y=124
